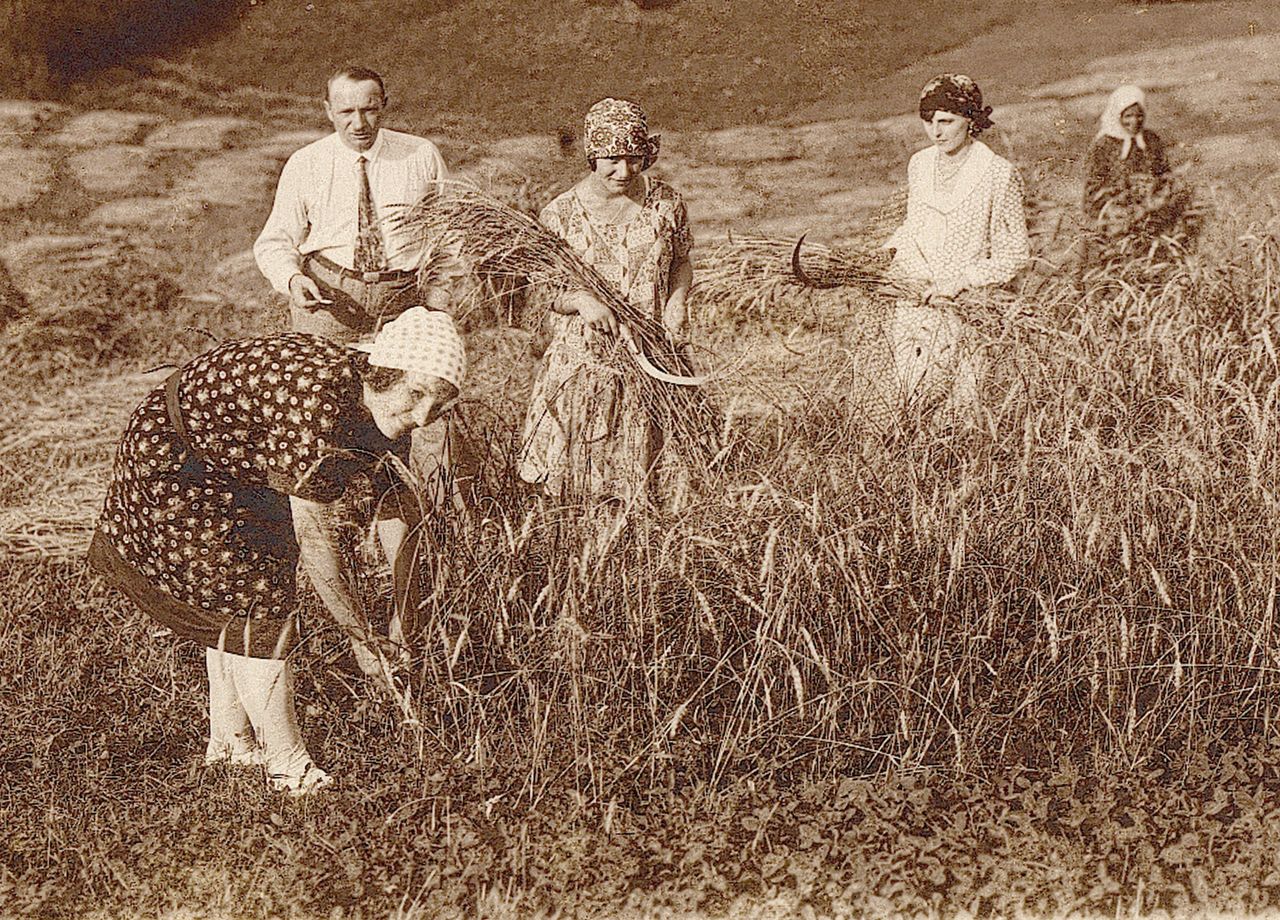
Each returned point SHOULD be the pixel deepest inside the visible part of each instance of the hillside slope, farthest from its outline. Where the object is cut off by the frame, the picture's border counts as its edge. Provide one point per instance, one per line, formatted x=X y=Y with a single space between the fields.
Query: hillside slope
x=507 y=67
x=698 y=63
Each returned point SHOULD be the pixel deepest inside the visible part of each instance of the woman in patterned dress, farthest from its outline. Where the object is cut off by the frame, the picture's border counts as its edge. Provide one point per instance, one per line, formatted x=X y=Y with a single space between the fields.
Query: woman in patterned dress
x=197 y=527
x=586 y=432
x=965 y=230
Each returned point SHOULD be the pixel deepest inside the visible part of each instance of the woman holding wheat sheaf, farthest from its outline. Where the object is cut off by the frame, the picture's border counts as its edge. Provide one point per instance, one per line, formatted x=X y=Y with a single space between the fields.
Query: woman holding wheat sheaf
x=965 y=230
x=587 y=432
x=197 y=528
x=1123 y=148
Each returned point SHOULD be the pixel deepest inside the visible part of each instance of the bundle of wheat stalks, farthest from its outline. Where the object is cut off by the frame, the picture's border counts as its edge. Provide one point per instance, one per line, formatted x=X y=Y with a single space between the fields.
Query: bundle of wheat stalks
x=497 y=241
x=754 y=276
x=1150 y=217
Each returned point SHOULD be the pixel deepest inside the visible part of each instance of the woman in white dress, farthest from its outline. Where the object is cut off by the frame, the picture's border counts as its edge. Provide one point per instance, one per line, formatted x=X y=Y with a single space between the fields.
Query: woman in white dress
x=965 y=230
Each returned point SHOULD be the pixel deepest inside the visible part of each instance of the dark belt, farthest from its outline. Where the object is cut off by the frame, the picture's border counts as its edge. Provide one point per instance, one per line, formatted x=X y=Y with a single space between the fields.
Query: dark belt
x=363 y=277
x=175 y=415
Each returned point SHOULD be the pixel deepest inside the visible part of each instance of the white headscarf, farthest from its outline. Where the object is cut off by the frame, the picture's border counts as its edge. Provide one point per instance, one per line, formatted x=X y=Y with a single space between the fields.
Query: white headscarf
x=1109 y=124
x=422 y=341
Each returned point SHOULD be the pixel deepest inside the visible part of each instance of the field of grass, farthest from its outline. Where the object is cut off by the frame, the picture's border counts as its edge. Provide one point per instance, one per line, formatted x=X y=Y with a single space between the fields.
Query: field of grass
x=1024 y=666
x=505 y=68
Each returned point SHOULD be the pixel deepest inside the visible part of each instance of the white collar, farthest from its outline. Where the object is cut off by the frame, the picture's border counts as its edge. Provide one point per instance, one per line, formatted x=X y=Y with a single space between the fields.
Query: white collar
x=350 y=155
x=967 y=179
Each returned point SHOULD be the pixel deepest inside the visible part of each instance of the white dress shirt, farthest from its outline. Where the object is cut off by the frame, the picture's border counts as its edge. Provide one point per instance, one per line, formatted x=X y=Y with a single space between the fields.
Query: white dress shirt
x=318 y=201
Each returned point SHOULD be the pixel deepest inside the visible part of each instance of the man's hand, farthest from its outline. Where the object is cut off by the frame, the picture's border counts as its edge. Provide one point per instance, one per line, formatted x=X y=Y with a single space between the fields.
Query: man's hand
x=303 y=292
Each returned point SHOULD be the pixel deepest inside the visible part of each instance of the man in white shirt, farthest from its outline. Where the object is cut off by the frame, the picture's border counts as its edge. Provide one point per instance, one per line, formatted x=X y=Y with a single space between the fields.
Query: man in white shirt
x=331 y=244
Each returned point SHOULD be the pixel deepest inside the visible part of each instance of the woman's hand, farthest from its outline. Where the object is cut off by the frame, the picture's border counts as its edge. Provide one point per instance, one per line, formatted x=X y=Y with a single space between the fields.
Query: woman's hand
x=597 y=317
x=675 y=317
x=946 y=289
x=322 y=561
x=675 y=312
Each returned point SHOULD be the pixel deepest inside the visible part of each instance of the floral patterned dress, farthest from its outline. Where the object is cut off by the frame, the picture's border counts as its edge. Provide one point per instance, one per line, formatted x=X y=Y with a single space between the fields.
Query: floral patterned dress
x=587 y=433
x=196 y=528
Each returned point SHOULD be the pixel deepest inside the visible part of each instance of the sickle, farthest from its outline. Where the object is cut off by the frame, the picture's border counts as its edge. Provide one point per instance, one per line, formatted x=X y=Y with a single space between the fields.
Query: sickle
x=799 y=272
x=647 y=366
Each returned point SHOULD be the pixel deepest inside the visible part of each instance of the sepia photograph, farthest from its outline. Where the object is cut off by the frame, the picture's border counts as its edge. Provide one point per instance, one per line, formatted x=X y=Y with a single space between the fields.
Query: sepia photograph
x=643 y=459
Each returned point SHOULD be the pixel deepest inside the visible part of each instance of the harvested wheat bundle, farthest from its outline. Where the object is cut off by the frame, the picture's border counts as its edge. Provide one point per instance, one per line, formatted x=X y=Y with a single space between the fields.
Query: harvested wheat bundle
x=756 y=276
x=498 y=241
x=1147 y=224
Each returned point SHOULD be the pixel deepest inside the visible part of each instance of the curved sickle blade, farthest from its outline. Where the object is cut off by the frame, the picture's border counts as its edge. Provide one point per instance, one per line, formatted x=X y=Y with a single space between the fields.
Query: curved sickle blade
x=799 y=272
x=647 y=366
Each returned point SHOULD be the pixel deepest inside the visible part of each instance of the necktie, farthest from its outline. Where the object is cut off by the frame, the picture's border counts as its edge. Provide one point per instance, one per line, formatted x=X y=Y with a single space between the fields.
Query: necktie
x=371 y=255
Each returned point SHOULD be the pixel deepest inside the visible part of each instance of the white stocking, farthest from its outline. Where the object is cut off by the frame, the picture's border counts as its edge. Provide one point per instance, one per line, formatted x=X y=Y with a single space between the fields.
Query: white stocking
x=230 y=734
x=265 y=688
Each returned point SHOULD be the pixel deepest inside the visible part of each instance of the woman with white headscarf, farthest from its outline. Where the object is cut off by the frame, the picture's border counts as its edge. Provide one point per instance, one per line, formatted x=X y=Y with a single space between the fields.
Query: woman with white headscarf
x=1123 y=147
x=197 y=528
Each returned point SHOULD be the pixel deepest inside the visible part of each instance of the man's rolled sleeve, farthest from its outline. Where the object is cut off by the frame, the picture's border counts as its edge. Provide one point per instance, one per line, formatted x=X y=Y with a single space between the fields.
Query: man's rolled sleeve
x=277 y=247
x=432 y=165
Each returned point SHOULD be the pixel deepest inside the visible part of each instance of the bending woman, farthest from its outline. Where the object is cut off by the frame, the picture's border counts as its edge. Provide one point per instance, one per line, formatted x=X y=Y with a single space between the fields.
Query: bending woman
x=587 y=432
x=197 y=527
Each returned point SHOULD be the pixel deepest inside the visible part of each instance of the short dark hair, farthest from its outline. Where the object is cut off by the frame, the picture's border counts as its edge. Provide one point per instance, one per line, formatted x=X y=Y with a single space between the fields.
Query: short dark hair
x=359 y=75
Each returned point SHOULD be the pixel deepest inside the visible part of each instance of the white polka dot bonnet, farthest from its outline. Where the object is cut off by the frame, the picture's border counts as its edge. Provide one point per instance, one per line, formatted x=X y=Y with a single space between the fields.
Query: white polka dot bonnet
x=420 y=341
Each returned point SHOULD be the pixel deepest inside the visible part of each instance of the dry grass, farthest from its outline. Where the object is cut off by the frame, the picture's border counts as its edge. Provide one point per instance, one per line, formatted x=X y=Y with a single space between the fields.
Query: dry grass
x=1085 y=573
x=55 y=461
x=1070 y=575
x=1079 y=585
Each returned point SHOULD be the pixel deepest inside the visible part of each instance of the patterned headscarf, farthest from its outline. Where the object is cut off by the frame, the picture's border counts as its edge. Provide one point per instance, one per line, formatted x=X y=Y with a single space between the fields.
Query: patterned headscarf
x=958 y=94
x=618 y=128
x=422 y=341
x=1109 y=124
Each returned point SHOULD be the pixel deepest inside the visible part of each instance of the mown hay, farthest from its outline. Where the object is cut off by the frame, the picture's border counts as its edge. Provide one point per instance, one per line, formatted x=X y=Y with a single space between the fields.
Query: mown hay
x=55 y=461
x=13 y=303
x=111 y=311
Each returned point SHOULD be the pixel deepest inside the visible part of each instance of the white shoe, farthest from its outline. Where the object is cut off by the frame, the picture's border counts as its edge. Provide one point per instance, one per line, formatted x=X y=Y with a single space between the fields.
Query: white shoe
x=311 y=779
